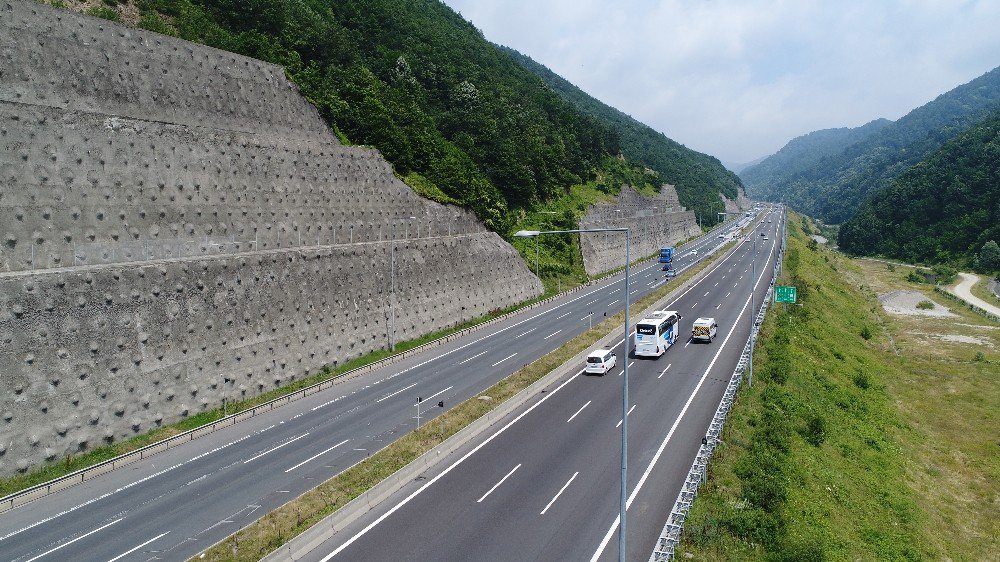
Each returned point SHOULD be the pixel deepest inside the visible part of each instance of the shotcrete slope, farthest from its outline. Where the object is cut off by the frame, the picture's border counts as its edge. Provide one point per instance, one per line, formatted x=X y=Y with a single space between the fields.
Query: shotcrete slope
x=180 y=226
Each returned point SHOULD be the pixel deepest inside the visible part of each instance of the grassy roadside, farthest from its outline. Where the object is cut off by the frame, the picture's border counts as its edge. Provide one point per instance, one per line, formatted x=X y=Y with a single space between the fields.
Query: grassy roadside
x=862 y=438
x=279 y=526
x=982 y=291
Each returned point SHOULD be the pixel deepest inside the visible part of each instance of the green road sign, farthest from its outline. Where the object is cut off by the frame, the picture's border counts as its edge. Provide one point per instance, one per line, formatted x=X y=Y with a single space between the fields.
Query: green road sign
x=784 y=294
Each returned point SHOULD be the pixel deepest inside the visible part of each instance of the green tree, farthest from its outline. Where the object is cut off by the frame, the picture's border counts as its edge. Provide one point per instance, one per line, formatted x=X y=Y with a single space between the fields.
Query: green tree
x=989 y=257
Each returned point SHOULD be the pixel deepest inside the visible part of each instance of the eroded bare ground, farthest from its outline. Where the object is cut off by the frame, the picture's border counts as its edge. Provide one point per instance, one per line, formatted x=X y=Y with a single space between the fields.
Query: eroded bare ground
x=949 y=396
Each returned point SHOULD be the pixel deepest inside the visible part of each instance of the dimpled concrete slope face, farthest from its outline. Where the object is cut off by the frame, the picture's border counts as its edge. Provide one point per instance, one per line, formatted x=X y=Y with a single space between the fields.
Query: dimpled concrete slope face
x=170 y=242
x=655 y=222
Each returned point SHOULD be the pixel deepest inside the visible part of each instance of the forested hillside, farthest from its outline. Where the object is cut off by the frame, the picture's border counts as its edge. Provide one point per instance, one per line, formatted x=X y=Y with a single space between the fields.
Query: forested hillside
x=457 y=117
x=944 y=209
x=698 y=177
x=800 y=154
x=834 y=187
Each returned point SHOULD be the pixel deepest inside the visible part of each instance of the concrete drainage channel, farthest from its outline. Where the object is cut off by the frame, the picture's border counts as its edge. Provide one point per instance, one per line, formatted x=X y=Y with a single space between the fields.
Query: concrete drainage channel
x=40 y=490
x=302 y=544
x=670 y=536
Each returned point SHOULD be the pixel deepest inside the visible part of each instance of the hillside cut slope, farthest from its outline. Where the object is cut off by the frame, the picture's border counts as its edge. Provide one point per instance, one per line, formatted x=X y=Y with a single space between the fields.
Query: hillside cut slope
x=181 y=228
x=834 y=187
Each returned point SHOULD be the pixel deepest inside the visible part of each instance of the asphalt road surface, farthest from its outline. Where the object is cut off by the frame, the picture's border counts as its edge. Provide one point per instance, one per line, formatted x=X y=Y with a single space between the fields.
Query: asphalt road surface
x=175 y=504
x=544 y=484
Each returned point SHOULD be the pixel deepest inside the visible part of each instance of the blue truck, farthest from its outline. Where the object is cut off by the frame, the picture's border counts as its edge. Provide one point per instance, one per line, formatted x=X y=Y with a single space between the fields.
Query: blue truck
x=666 y=255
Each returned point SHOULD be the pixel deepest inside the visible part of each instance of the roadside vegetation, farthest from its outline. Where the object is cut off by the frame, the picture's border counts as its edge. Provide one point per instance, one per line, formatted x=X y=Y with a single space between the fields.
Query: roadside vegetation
x=865 y=436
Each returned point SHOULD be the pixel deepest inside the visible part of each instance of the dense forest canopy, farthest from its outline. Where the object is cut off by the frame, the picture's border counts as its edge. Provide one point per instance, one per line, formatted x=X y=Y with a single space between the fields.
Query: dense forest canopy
x=763 y=179
x=947 y=208
x=834 y=187
x=699 y=177
x=457 y=117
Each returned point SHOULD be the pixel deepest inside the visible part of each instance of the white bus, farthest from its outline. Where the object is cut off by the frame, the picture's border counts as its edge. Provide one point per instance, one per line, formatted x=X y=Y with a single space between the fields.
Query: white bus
x=653 y=335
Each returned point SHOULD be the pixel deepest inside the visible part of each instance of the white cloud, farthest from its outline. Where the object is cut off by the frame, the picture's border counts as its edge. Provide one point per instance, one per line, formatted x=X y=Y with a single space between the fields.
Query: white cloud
x=738 y=79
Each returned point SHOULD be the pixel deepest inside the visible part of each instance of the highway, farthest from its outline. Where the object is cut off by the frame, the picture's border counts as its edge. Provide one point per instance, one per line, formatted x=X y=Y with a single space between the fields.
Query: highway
x=543 y=484
x=177 y=503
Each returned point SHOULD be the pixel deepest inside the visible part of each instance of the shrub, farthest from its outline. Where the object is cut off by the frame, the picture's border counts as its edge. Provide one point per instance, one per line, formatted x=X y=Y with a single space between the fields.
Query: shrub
x=914 y=277
x=815 y=430
x=979 y=357
x=945 y=274
x=104 y=13
x=866 y=333
x=861 y=381
x=890 y=267
x=925 y=305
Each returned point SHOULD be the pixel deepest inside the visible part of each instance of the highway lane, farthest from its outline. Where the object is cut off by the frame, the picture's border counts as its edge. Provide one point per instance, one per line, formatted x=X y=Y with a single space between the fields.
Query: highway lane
x=545 y=485
x=176 y=503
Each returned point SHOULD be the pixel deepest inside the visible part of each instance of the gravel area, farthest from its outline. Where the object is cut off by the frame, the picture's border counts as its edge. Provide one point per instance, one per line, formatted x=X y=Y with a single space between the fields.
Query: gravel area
x=905 y=303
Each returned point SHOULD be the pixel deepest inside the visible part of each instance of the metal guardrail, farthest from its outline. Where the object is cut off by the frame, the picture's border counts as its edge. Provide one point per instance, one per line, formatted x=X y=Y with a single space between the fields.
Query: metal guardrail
x=22 y=497
x=670 y=536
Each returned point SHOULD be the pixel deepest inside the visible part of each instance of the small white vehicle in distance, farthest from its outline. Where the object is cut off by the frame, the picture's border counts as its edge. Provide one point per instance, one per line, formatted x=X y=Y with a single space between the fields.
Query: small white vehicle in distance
x=704 y=329
x=601 y=361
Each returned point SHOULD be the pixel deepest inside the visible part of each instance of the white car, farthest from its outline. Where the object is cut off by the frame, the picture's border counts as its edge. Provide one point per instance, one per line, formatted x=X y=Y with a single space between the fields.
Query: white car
x=692 y=253
x=601 y=361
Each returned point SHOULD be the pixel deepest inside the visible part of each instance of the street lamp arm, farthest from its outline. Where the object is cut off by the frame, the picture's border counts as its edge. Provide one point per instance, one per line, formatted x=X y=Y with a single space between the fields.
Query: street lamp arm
x=528 y=233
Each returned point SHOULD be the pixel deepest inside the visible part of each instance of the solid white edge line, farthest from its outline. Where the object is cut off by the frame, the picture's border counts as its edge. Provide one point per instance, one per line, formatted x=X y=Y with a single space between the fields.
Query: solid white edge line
x=314 y=457
x=504 y=359
x=395 y=393
x=561 y=490
x=476 y=355
x=497 y=485
x=430 y=482
x=578 y=411
x=614 y=526
x=64 y=545
x=124 y=554
x=275 y=448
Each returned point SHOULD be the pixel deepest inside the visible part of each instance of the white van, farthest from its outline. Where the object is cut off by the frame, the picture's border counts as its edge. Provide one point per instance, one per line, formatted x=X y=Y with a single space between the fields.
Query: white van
x=601 y=361
x=704 y=329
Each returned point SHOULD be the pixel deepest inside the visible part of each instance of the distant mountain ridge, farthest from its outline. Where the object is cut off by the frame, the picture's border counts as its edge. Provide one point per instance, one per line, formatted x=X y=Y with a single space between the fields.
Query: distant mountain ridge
x=699 y=177
x=833 y=187
x=800 y=154
x=943 y=209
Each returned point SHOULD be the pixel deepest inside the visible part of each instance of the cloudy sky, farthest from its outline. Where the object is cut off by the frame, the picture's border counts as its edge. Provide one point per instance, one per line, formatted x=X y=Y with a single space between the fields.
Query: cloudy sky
x=739 y=78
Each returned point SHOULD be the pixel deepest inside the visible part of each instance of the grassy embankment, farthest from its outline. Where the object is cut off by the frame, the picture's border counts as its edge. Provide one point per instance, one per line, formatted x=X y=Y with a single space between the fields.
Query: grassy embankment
x=865 y=436
x=279 y=526
x=982 y=290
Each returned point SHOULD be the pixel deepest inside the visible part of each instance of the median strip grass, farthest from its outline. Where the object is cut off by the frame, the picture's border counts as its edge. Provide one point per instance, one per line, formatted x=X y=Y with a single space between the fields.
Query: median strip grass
x=278 y=527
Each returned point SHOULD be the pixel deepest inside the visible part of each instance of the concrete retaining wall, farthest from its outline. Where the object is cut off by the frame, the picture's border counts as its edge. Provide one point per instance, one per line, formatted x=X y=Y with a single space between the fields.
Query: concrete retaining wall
x=120 y=148
x=654 y=222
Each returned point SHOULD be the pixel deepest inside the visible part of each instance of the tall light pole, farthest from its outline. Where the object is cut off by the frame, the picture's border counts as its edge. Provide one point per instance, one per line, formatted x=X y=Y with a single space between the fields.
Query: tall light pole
x=392 y=289
x=623 y=492
x=753 y=309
